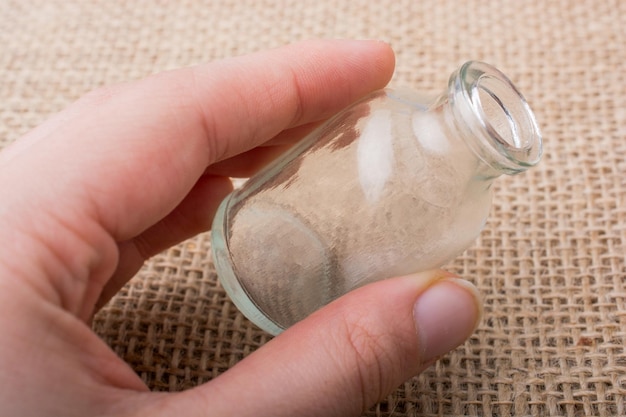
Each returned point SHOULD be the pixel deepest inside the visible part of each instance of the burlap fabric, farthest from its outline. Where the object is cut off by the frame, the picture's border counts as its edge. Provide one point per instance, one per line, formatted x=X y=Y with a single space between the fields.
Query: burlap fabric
x=550 y=262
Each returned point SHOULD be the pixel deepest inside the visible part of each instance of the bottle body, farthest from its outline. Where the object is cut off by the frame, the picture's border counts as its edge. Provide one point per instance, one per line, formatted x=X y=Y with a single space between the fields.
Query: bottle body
x=385 y=188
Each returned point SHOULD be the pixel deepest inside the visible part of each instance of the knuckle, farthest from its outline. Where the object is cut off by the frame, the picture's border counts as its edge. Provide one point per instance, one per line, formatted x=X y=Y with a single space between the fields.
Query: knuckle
x=100 y=96
x=367 y=349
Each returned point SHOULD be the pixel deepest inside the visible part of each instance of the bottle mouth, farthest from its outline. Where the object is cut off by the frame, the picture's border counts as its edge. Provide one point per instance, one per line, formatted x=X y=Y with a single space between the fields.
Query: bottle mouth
x=497 y=114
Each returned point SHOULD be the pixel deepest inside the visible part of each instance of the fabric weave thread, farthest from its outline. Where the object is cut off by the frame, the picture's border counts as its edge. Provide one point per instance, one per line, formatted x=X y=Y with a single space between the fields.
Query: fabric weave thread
x=550 y=263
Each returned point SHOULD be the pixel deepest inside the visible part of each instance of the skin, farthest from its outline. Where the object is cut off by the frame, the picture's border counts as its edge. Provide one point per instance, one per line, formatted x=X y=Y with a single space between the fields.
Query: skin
x=131 y=169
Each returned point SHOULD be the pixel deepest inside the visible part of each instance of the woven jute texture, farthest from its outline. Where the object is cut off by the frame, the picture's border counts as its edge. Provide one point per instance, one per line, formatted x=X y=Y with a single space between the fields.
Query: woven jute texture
x=550 y=263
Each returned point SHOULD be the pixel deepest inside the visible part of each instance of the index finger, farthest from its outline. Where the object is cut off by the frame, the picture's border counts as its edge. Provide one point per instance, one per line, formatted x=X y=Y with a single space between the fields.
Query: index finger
x=151 y=140
x=119 y=160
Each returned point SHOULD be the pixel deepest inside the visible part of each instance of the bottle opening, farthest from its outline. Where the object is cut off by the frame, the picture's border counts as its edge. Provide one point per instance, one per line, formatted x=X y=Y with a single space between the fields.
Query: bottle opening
x=498 y=116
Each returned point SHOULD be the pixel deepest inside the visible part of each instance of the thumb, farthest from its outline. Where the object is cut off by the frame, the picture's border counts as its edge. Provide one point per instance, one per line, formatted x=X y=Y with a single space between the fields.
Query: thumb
x=345 y=357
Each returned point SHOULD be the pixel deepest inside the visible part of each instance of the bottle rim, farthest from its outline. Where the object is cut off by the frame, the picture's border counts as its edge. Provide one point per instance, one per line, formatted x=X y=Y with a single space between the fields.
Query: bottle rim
x=505 y=131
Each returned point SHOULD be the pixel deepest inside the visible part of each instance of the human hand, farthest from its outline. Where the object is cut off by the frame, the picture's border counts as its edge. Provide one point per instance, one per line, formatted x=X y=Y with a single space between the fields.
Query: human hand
x=130 y=170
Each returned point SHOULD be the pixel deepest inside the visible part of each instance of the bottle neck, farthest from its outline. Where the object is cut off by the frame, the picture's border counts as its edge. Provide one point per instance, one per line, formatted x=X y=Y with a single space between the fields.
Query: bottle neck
x=493 y=119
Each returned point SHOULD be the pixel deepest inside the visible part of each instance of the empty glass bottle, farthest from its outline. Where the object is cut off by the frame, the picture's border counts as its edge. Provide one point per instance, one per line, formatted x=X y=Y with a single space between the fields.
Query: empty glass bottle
x=392 y=185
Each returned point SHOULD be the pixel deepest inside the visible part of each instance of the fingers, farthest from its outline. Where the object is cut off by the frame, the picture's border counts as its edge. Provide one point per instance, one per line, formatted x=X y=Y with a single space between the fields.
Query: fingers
x=291 y=135
x=192 y=216
x=151 y=140
x=248 y=163
x=347 y=356
x=121 y=159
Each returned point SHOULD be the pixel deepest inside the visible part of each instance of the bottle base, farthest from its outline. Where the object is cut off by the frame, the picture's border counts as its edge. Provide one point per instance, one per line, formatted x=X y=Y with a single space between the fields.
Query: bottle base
x=227 y=276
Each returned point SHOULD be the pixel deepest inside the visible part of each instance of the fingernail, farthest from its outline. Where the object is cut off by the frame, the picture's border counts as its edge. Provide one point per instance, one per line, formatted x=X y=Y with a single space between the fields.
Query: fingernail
x=446 y=314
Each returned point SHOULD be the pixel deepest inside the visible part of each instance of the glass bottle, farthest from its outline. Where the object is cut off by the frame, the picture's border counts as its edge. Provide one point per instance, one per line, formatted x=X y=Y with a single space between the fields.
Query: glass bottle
x=392 y=185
